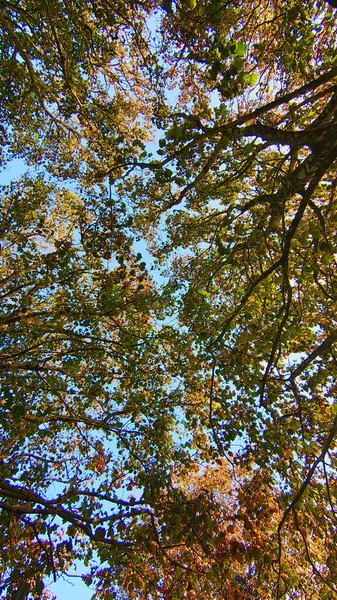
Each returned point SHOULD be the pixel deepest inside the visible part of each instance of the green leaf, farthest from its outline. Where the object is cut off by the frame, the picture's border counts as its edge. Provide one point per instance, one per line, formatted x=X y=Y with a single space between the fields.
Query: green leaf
x=327 y=259
x=204 y=293
x=167 y=6
x=240 y=49
x=253 y=78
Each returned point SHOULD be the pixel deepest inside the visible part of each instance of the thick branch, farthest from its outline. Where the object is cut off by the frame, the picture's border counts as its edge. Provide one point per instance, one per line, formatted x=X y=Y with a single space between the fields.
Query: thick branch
x=321 y=349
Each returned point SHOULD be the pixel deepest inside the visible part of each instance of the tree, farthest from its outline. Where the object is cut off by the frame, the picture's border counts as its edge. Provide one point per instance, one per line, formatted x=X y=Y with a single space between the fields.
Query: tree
x=178 y=434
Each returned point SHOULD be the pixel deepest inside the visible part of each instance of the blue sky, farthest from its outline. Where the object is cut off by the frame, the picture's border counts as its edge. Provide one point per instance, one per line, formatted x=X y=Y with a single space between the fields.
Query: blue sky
x=71 y=589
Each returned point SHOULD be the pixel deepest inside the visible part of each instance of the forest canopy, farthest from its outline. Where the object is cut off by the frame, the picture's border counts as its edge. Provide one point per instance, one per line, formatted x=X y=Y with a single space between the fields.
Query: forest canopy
x=168 y=298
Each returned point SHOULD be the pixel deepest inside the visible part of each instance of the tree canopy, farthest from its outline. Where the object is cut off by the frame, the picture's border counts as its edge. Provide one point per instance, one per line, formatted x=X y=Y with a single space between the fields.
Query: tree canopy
x=168 y=354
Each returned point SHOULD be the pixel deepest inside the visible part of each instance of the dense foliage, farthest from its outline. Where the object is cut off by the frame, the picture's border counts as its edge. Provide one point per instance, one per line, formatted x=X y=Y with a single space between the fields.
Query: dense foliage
x=168 y=298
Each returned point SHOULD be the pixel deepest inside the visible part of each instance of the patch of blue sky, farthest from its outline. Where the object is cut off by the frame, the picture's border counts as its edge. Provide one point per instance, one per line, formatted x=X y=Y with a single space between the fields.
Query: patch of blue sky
x=12 y=171
x=71 y=586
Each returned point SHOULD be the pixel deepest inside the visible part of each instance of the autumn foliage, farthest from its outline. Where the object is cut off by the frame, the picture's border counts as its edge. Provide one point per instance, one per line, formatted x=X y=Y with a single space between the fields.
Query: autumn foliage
x=168 y=298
